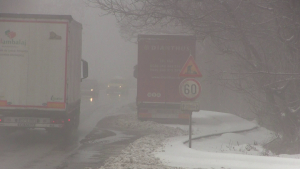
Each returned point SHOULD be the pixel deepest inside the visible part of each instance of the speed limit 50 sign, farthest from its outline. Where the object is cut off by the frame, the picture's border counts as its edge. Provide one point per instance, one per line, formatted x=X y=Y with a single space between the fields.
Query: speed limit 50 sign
x=190 y=88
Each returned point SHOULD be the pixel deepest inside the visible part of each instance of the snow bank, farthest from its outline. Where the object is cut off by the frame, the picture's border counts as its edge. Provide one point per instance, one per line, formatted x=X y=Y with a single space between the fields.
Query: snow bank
x=139 y=154
x=165 y=149
x=178 y=155
x=249 y=143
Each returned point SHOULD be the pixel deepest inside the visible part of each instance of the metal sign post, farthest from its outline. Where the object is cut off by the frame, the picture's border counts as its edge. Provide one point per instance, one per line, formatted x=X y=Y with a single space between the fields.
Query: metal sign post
x=190 y=131
x=189 y=107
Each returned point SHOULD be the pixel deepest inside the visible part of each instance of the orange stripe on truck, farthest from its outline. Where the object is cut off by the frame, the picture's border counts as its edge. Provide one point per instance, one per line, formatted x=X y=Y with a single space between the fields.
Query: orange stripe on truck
x=184 y=116
x=144 y=115
x=3 y=103
x=57 y=105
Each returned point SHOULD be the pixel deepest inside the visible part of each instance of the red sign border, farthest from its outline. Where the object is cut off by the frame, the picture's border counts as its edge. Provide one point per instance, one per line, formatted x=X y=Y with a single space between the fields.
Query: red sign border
x=189 y=79
x=186 y=64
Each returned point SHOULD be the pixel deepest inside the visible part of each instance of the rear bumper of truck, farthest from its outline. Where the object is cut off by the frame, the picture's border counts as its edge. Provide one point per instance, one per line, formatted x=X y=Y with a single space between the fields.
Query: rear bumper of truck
x=161 y=111
x=27 y=120
x=146 y=115
x=18 y=125
x=33 y=118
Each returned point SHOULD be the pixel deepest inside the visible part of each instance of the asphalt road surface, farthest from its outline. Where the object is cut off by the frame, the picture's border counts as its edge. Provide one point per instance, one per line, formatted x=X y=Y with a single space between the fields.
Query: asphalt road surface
x=37 y=149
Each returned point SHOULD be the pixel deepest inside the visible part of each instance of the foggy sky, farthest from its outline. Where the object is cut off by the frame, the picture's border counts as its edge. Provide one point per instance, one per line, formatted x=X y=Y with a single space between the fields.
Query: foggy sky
x=107 y=53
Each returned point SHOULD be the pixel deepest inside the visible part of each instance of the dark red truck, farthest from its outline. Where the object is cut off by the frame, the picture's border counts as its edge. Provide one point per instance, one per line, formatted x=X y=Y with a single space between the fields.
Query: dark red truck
x=160 y=60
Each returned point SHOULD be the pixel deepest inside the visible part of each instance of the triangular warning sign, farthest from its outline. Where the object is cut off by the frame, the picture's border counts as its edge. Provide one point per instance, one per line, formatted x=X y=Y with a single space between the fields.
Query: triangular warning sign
x=190 y=69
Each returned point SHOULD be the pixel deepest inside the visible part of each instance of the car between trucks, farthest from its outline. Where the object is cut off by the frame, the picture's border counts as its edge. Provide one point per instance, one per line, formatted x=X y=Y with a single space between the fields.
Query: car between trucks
x=160 y=60
x=118 y=86
x=90 y=88
x=40 y=71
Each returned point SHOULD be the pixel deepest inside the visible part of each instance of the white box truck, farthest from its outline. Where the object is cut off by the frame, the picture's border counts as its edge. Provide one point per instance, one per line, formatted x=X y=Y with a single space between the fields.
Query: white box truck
x=40 y=71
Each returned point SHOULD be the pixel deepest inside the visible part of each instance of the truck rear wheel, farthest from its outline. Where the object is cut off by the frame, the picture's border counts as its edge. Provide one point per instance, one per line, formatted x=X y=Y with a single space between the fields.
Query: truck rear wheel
x=71 y=126
x=68 y=130
x=6 y=131
x=77 y=119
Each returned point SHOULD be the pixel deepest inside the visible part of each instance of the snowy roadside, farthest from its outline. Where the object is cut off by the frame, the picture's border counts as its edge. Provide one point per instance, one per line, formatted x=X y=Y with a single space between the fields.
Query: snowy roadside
x=143 y=153
x=230 y=150
x=139 y=154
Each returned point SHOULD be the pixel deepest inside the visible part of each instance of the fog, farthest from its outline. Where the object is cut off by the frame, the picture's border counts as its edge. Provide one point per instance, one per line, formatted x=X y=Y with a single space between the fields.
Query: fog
x=107 y=53
x=248 y=58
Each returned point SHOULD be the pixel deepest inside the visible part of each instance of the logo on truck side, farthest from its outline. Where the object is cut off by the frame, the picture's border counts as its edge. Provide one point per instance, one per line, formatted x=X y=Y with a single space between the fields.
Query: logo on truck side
x=11 y=35
x=153 y=94
x=54 y=36
x=56 y=98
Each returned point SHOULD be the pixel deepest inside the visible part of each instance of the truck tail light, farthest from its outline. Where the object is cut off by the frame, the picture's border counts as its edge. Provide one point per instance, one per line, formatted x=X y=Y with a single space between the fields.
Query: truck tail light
x=57 y=121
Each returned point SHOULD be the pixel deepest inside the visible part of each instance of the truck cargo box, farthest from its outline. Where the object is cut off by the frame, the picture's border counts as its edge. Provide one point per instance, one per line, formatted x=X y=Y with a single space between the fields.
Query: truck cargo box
x=40 y=57
x=160 y=60
x=40 y=70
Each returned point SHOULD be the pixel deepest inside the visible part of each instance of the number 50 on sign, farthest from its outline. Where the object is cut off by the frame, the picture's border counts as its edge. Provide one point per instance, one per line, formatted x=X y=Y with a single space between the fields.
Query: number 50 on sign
x=190 y=88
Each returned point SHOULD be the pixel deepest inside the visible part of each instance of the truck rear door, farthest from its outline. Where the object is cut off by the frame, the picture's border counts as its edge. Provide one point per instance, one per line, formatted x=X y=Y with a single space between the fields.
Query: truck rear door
x=33 y=63
x=160 y=59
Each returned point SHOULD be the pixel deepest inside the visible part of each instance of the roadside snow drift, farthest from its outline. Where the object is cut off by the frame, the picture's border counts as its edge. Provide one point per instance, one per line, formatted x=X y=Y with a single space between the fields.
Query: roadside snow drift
x=223 y=140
